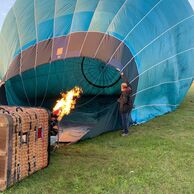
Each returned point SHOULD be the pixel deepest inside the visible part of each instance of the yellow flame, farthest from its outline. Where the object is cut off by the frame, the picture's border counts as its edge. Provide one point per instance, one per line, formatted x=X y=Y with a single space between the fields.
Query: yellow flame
x=67 y=102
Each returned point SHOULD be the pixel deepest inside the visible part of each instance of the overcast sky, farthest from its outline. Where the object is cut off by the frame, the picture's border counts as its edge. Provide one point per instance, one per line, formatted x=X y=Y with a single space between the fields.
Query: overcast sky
x=192 y=3
x=5 y=5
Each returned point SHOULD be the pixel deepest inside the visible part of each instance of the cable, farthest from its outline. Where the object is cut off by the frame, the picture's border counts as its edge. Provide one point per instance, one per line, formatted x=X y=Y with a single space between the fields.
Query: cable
x=52 y=50
x=127 y=35
x=161 y=62
x=85 y=38
x=36 y=56
x=69 y=39
x=163 y=83
x=109 y=27
x=151 y=42
x=21 y=56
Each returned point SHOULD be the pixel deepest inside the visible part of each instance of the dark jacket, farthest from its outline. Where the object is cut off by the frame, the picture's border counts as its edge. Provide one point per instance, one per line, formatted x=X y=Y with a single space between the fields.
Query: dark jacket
x=125 y=101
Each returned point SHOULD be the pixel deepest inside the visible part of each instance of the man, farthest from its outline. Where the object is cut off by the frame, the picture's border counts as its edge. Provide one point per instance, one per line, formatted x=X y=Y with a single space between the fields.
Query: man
x=125 y=106
x=53 y=125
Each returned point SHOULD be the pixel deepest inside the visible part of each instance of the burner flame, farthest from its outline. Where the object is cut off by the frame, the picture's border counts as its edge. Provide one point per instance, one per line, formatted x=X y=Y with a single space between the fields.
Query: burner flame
x=67 y=103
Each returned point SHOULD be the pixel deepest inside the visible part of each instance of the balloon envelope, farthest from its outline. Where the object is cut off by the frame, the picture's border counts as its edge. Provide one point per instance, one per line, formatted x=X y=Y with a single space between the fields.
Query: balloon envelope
x=50 y=46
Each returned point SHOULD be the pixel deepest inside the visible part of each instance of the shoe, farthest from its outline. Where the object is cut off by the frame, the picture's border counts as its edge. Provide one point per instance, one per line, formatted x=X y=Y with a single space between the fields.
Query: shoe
x=125 y=134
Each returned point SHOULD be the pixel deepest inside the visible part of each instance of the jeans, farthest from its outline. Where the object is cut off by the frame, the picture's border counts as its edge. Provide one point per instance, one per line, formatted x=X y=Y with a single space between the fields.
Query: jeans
x=125 y=122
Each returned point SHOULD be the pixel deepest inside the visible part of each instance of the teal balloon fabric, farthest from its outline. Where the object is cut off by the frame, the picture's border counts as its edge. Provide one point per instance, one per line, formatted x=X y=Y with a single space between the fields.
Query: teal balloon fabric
x=49 y=46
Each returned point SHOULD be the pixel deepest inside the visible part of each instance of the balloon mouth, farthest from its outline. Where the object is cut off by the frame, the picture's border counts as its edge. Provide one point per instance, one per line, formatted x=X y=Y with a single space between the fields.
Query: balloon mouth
x=102 y=76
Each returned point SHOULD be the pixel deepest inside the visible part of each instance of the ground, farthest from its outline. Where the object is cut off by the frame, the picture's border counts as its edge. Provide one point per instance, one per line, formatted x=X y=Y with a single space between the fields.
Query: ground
x=157 y=158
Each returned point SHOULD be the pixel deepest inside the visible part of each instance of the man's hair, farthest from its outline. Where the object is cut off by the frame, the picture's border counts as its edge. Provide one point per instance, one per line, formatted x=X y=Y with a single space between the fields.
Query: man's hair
x=124 y=84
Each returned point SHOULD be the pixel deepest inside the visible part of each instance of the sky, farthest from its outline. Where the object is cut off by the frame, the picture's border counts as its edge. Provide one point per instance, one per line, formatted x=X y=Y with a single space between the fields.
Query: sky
x=5 y=6
x=192 y=3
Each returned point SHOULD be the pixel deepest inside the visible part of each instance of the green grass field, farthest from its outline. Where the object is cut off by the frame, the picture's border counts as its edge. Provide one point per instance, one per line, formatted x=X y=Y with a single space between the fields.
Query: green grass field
x=157 y=158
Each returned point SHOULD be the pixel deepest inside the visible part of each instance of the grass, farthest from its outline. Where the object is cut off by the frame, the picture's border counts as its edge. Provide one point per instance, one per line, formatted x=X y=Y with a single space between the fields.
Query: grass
x=157 y=158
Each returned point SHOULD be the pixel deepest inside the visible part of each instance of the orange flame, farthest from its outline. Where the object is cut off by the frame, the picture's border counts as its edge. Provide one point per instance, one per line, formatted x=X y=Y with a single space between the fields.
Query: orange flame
x=67 y=102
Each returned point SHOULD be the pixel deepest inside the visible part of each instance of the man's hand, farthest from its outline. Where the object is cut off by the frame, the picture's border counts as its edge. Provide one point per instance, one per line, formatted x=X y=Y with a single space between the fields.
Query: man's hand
x=120 y=71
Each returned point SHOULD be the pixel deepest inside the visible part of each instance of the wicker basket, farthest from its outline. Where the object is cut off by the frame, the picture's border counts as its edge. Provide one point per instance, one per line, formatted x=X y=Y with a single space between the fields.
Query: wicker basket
x=23 y=143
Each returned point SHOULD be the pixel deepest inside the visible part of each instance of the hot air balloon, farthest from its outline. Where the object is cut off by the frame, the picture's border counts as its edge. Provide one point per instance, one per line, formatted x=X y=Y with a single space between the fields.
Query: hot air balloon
x=49 y=46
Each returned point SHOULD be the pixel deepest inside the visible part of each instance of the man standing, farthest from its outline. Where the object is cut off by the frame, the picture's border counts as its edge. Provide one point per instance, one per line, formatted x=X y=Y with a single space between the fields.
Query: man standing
x=125 y=106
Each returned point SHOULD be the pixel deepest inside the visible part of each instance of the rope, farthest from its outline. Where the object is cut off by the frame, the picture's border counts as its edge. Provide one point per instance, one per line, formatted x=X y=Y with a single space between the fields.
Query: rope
x=163 y=83
x=85 y=38
x=36 y=56
x=151 y=41
x=21 y=56
x=81 y=105
x=138 y=107
x=98 y=48
x=124 y=38
x=129 y=33
x=101 y=39
x=69 y=39
x=161 y=62
x=52 y=50
x=158 y=37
